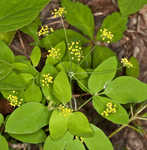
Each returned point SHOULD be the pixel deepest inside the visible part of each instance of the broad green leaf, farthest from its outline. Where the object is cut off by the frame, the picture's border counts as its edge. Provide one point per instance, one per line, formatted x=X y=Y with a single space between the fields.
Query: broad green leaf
x=60 y=144
x=62 y=88
x=15 y=14
x=100 y=54
x=34 y=138
x=6 y=53
x=127 y=89
x=119 y=117
x=70 y=68
x=7 y=37
x=116 y=28
x=59 y=35
x=80 y=11
x=102 y=75
x=28 y=78
x=27 y=119
x=32 y=93
x=83 y=84
x=60 y=49
x=75 y=145
x=3 y=143
x=48 y=89
x=134 y=71
x=35 y=56
x=24 y=67
x=13 y=82
x=5 y=69
x=130 y=7
x=1 y=119
x=98 y=141
x=57 y=124
x=86 y=61
x=78 y=125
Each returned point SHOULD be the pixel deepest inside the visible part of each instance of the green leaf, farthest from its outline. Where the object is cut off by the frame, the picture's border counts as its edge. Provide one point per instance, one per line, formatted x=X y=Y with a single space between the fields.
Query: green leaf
x=130 y=7
x=86 y=61
x=5 y=69
x=100 y=54
x=15 y=14
x=102 y=75
x=59 y=35
x=6 y=53
x=57 y=144
x=144 y=115
x=54 y=60
x=75 y=145
x=35 y=56
x=126 y=89
x=120 y=117
x=32 y=93
x=98 y=141
x=57 y=124
x=70 y=67
x=3 y=143
x=1 y=119
x=48 y=90
x=86 y=25
x=27 y=119
x=7 y=37
x=34 y=138
x=134 y=71
x=117 y=28
x=24 y=67
x=78 y=125
x=62 y=88
x=13 y=82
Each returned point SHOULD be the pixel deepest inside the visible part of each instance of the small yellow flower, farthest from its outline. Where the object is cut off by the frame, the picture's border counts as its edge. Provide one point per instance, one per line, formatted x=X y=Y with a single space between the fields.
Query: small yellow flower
x=14 y=100
x=47 y=79
x=106 y=35
x=43 y=31
x=54 y=52
x=75 y=51
x=66 y=111
x=110 y=108
x=126 y=63
x=58 y=12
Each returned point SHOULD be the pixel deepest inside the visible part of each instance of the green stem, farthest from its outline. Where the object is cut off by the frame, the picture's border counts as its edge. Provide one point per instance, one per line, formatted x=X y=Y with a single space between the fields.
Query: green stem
x=86 y=102
x=117 y=130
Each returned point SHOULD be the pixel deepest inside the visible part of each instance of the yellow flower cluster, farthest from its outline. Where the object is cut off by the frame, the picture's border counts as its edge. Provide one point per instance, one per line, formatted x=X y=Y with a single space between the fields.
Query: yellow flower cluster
x=47 y=79
x=54 y=52
x=66 y=111
x=126 y=63
x=45 y=30
x=110 y=108
x=58 y=12
x=75 y=50
x=106 y=35
x=14 y=100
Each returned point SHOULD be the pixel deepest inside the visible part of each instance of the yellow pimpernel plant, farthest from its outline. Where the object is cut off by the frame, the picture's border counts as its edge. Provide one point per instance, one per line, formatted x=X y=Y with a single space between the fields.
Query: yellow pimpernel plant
x=75 y=50
x=125 y=62
x=66 y=111
x=106 y=35
x=58 y=12
x=47 y=79
x=110 y=109
x=14 y=100
x=45 y=30
x=54 y=52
